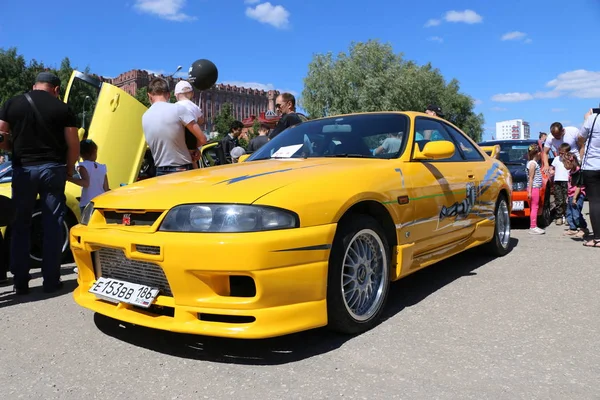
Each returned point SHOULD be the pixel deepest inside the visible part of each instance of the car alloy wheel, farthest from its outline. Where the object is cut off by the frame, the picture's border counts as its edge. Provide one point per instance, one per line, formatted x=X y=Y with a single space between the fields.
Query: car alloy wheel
x=359 y=275
x=37 y=236
x=365 y=272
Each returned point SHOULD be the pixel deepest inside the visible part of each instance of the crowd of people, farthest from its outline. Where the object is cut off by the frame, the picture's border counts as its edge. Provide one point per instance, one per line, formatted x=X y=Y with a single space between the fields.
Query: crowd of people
x=41 y=132
x=576 y=176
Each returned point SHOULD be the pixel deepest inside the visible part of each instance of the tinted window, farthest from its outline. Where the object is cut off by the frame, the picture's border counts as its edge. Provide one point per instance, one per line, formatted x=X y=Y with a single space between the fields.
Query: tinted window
x=428 y=130
x=364 y=135
x=468 y=149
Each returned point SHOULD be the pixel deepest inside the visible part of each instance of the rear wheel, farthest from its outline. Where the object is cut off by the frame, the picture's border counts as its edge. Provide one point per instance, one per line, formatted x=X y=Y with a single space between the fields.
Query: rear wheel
x=358 y=280
x=499 y=245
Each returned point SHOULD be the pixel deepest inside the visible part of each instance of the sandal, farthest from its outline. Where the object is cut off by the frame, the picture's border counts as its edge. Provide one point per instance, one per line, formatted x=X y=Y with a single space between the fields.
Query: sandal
x=594 y=243
x=570 y=232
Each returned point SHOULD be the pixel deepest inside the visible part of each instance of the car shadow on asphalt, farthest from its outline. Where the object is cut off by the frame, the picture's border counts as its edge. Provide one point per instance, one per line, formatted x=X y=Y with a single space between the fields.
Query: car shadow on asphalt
x=291 y=348
x=9 y=298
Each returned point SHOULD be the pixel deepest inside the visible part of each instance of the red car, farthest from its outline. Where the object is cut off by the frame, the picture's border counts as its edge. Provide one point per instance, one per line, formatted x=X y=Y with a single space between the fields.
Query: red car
x=513 y=153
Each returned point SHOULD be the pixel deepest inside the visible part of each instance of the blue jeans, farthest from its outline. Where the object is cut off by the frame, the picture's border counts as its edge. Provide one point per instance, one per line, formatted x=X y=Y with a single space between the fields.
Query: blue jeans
x=575 y=215
x=47 y=180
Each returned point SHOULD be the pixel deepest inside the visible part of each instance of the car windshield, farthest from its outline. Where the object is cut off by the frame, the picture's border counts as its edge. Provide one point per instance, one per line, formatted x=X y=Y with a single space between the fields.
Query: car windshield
x=381 y=135
x=83 y=95
x=511 y=153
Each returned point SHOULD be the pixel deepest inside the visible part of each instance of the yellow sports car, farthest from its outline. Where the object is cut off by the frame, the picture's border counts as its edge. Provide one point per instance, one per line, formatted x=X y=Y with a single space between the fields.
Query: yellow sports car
x=308 y=231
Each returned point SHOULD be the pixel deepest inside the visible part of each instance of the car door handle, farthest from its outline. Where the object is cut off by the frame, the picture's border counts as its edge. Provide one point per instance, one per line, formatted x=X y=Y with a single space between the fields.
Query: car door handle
x=114 y=103
x=471 y=176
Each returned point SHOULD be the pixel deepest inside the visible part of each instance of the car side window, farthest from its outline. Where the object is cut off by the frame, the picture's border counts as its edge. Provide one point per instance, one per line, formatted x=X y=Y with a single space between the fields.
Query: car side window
x=468 y=149
x=429 y=130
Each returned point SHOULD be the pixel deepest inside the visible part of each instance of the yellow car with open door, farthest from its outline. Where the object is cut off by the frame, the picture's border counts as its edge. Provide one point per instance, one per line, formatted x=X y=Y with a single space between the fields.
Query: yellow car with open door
x=112 y=119
x=308 y=231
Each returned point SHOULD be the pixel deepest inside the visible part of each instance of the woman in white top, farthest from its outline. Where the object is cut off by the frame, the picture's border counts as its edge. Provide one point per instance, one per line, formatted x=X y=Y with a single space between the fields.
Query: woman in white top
x=94 y=178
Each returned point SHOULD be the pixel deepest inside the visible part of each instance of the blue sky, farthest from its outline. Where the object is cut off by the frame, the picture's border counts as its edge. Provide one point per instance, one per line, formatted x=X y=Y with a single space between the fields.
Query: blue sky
x=533 y=59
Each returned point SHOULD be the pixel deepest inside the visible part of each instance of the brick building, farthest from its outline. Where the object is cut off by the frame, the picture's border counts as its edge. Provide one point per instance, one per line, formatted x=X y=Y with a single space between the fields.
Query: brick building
x=246 y=102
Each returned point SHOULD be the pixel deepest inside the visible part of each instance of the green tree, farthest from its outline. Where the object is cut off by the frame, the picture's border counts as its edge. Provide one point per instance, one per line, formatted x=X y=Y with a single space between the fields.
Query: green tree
x=253 y=132
x=142 y=96
x=223 y=120
x=371 y=77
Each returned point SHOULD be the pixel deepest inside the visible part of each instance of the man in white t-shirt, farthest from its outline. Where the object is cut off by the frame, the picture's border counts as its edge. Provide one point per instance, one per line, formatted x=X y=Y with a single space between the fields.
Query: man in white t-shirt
x=391 y=144
x=559 y=135
x=184 y=92
x=164 y=126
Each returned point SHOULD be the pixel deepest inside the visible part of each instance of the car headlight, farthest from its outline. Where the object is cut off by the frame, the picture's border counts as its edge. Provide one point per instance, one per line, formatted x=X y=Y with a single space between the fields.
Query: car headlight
x=87 y=213
x=227 y=218
x=519 y=186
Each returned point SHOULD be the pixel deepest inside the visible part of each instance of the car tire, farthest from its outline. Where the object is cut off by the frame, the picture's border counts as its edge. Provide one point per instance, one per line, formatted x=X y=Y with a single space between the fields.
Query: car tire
x=546 y=216
x=358 y=280
x=36 y=239
x=500 y=244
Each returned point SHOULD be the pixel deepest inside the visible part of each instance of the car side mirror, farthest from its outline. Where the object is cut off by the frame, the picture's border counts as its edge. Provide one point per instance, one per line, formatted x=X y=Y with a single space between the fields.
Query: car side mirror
x=243 y=157
x=437 y=150
x=82 y=134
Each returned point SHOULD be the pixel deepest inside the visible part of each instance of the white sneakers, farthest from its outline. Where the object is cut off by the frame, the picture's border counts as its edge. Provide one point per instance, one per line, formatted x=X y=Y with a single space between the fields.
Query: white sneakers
x=536 y=231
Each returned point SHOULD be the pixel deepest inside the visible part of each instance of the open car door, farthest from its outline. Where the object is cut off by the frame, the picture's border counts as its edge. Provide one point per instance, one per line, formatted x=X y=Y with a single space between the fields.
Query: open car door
x=112 y=118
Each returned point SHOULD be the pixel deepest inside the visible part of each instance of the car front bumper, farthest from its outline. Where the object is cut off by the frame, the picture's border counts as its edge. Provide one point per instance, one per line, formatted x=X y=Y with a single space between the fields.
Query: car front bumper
x=288 y=269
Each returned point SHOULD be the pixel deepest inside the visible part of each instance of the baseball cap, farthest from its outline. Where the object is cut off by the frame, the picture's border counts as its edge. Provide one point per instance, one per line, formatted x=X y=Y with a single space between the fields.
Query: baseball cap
x=237 y=152
x=183 y=87
x=48 y=77
x=436 y=109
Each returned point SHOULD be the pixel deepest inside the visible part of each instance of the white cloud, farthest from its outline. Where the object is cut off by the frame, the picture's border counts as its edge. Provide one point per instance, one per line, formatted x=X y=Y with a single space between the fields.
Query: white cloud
x=499 y=109
x=467 y=16
x=436 y=39
x=515 y=35
x=165 y=9
x=528 y=41
x=432 y=22
x=512 y=97
x=579 y=83
x=477 y=102
x=180 y=74
x=259 y=86
x=557 y=110
x=269 y=14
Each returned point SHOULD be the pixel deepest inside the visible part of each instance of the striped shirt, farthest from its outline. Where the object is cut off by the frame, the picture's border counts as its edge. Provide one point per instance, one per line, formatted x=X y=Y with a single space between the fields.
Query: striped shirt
x=537 y=177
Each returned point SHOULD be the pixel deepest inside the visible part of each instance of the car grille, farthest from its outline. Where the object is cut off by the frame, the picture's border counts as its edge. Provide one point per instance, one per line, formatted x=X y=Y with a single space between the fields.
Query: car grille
x=132 y=218
x=112 y=263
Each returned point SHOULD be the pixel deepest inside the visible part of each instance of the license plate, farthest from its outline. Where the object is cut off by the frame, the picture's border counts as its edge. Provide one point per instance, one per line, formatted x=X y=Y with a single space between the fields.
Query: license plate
x=518 y=205
x=124 y=292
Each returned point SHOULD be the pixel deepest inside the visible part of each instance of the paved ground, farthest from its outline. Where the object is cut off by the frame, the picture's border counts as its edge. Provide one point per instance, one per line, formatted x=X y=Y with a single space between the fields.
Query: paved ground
x=522 y=327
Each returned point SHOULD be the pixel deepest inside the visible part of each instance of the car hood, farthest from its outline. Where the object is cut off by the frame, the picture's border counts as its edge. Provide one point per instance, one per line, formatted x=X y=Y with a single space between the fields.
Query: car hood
x=518 y=172
x=242 y=183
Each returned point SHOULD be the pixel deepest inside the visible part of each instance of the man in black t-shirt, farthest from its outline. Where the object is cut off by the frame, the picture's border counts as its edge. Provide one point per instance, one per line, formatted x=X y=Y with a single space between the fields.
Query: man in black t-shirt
x=45 y=148
x=286 y=107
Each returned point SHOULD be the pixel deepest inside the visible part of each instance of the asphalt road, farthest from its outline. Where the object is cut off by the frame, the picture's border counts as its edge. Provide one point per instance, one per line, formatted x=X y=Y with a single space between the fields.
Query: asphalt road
x=526 y=326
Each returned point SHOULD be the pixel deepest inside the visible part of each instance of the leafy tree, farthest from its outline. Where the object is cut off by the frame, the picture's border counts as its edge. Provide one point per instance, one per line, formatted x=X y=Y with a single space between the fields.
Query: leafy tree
x=371 y=77
x=142 y=96
x=223 y=120
x=253 y=132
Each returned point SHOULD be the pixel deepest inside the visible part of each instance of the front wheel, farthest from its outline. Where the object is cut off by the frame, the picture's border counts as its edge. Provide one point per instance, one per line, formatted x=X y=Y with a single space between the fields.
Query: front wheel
x=500 y=243
x=37 y=239
x=358 y=280
x=546 y=216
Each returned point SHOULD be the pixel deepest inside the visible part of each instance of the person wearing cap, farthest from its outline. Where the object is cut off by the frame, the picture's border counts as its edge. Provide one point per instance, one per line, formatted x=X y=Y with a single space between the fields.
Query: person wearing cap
x=184 y=92
x=45 y=148
x=434 y=110
x=164 y=126
x=236 y=153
